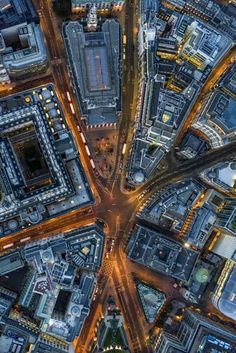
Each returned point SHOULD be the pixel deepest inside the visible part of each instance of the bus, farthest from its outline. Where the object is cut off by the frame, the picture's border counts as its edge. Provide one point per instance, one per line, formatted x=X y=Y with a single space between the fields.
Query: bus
x=124 y=39
x=8 y=246
x=124 y=149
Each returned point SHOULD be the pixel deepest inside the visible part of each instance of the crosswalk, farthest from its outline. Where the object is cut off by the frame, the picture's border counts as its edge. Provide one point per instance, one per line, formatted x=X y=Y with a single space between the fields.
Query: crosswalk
x=108 y=266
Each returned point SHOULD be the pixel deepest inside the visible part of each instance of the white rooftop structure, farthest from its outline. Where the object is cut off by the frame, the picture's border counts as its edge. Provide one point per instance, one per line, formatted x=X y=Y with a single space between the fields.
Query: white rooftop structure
x=228 y=174
x=226 y=246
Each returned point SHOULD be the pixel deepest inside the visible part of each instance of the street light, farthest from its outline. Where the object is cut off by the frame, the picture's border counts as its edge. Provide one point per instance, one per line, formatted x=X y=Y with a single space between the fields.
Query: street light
x=187 y=245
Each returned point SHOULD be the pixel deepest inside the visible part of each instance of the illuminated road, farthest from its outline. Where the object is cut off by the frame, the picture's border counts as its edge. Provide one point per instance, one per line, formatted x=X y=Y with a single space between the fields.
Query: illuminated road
x=209 y=84
x=117 y=209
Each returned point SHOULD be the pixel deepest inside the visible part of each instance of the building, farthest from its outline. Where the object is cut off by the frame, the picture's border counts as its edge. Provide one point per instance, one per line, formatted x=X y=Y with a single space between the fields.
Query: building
x=192 y=145
x=10 y=262
x=22 y=48
x=41 y=173
x=223 y=297
x=220 y=17
x=171 y=207
x=161 y=253
x=206 y=10
x=164 y=113
x=94 y=60
x=225 y=246
x=187 y=209
x=226 y=219
x=176 y=56
x=216 y=120
x=196 y=333
x=72 y=308
x=168 y=88
x=196 y=289
x=203 y=45
x=228 y=82
x=82 y=5
x=13 y=340
x=14 y=12
x=7 y=299
x=166 y=116
x=48 y=344
x=222 y=177
x=111 y=336
x=152 y=301
x=85 y=247
x=28 y=56
x=174 y=4
x=61 y=301
x=56 y=288
x=202 y=219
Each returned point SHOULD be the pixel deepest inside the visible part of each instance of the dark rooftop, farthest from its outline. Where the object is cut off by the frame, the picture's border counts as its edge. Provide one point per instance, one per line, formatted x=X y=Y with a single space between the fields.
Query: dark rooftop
x=13 y=12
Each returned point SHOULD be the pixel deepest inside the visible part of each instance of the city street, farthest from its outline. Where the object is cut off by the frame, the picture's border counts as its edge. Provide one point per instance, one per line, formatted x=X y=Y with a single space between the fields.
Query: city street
x=115 y=207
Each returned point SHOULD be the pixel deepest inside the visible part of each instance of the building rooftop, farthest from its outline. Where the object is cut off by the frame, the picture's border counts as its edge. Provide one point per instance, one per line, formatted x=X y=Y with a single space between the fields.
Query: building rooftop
x=52 y=290
x=23 y=48
x=204 y=45
x=193 y=145
x=86 y=247
x=224 y=296
x=220 y=111
x=161 y=253
x=37 y=161
x=13 y=12
x=169 y=90
x=152 y=301
x=216 y=120
x=222 y=176
x=197 y=333
x=10 y=262
x=94 y=59
x=203 y=221
x=228 y=81
x=226 y=246
x=171 y=207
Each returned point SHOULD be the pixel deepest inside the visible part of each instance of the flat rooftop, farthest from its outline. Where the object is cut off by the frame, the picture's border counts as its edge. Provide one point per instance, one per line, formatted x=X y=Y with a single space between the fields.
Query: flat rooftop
x=97 y=68
x=41 y=173
x=94 y=59
x=13 y=12
x=161 y=253
x=221 y=111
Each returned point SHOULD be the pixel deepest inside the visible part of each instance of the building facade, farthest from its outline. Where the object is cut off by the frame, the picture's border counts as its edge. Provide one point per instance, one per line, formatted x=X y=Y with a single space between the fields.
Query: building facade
x=82 y=5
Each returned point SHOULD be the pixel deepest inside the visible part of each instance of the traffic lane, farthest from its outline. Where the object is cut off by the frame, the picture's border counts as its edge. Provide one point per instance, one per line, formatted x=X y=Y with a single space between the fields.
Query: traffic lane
x=129 y=311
